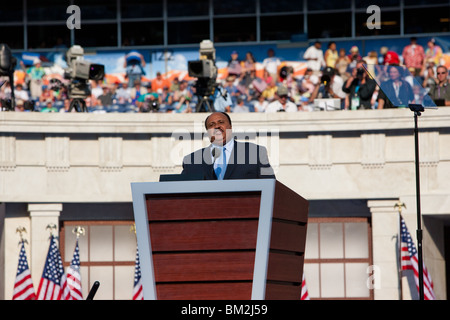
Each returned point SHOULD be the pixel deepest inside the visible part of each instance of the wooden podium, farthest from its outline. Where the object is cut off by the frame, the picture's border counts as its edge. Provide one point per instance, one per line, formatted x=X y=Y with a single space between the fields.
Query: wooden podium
x=213 y=240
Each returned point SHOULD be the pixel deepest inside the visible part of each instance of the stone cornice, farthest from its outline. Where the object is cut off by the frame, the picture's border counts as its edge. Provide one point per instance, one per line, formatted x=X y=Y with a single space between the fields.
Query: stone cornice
x=331 y=121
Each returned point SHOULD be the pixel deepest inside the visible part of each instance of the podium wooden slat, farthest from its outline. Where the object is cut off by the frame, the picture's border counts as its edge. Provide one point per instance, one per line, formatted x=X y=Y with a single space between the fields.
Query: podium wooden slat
x=284 y=267
x=203 y=235
x=286 y=291
x=210 y=266
x=205 y=291
x=204 y=206
x=232 y=239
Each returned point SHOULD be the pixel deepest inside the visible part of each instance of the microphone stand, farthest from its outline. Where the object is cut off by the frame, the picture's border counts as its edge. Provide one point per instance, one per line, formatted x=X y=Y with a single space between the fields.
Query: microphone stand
x=418 y=109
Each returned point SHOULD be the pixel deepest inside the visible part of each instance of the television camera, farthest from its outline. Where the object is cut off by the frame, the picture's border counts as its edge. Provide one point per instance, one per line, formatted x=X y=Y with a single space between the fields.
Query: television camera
x=7 y=65
x=205 y=71
x=150 y=104
x=79 y=71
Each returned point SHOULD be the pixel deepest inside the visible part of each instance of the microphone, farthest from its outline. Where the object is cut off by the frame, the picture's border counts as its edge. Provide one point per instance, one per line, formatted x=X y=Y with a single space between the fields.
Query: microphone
x=93 y=290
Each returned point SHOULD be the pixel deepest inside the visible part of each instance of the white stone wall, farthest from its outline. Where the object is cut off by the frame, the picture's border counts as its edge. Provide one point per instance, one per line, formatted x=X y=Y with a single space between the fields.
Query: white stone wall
x=50 y=159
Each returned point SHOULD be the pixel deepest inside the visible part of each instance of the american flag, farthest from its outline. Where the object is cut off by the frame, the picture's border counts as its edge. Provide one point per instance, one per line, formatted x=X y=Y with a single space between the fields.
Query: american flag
x=23 y=286
x=74 y=276
x=138 y=294
x=304 y=293
x=53 y=284
x=409 y=261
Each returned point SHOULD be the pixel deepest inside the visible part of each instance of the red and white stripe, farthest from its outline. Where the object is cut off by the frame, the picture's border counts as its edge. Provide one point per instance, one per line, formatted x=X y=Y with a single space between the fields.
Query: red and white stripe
x=138 y=293
x=410 y=261
x=413 y=264
x=23 y=287
x=48 y=290
x=304 y=293
x=74 y=284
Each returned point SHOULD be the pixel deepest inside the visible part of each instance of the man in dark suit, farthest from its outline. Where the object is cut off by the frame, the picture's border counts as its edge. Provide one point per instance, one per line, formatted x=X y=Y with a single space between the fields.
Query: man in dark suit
x=226 y=158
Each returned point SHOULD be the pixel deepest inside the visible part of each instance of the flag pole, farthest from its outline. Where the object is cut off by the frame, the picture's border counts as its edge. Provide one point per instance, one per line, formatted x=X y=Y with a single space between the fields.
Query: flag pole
x=417 y=109
x=23 y=285
x=399 y=206
x=74 y=273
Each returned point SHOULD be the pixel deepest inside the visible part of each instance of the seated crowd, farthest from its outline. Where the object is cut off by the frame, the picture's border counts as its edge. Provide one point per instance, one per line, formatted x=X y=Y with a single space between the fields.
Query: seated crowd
x=332 y=74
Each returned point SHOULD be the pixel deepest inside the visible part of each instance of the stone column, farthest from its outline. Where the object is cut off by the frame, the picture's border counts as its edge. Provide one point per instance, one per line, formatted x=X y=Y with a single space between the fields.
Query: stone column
x=41 y=216
x=385 y=229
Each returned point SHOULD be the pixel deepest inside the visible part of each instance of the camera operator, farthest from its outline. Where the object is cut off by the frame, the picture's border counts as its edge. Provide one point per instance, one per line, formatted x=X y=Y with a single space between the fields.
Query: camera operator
x=359 y=88
x=222 y=99
x=330 y=86
x=148 y=102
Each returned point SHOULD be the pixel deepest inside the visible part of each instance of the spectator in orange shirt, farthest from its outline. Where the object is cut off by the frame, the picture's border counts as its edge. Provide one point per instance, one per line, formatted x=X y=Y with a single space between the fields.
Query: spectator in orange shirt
x=159 y=83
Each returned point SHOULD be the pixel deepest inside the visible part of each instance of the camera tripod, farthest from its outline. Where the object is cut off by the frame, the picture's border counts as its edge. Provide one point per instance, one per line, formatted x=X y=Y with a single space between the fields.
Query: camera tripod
x=204 y=104
x=79 y=104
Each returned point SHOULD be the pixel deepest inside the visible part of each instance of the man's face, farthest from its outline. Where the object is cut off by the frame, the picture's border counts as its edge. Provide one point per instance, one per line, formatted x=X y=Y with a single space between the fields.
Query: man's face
x=219 y=128
x=441 y=74
x=283 y=99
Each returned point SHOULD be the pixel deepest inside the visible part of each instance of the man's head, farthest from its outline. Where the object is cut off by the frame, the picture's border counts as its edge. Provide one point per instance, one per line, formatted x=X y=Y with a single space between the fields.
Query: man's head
x=183 y=84
x=442 y=74
x=431 y=43
x=360 y=70
x=218 y=125
x=282 y=93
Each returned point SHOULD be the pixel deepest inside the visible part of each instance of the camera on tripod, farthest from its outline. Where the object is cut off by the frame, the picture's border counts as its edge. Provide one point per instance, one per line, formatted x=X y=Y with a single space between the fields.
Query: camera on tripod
x=79 y=71
x=7 y=65
x=150 y=104
x=205 y=71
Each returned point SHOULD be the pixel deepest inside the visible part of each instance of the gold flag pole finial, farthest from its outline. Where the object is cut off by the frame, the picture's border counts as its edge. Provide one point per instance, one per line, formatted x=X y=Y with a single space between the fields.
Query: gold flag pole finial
x=133 y=228
x=399 y=205
x=79 y=231
x=21 y=230
x=52 y=227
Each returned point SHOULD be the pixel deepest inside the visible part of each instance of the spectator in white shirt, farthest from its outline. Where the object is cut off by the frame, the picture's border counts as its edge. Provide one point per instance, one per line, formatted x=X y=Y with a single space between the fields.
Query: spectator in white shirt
x=314 y=57
x=271 y=64
x=282 y=104
x=123 y=94
x=20 y=93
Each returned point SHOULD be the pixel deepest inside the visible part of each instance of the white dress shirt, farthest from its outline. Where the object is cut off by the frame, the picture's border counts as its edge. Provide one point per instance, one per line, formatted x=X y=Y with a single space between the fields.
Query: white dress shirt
x=228 y=149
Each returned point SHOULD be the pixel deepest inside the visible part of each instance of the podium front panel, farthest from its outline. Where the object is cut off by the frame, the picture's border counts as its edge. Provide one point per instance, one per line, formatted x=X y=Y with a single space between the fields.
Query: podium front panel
x=212 y=240
x=205 y=248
